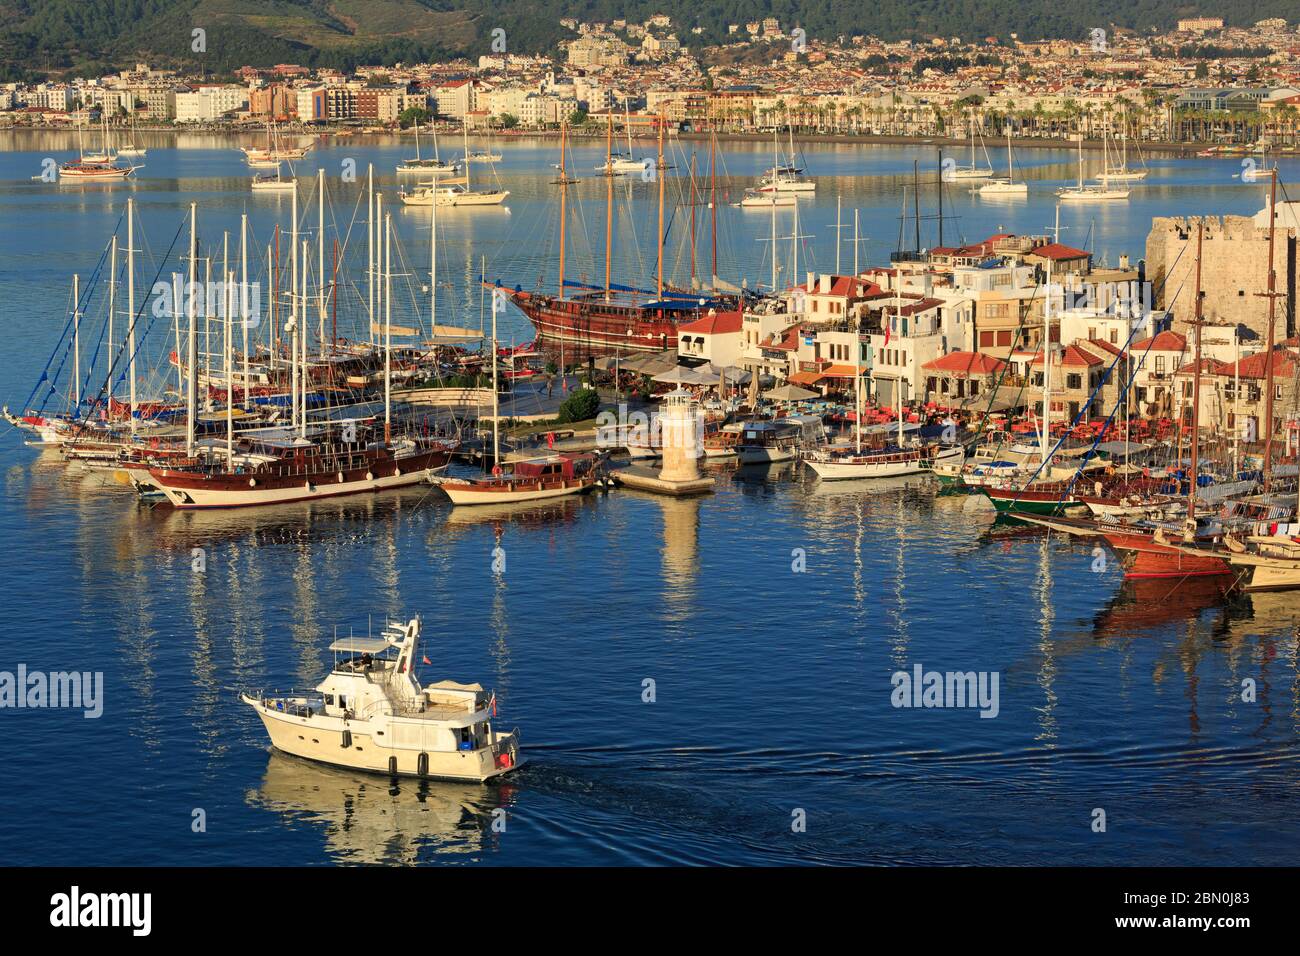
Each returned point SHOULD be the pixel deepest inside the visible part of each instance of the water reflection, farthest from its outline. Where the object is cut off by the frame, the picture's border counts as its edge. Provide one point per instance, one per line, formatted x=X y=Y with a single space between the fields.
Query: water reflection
x=370 y=819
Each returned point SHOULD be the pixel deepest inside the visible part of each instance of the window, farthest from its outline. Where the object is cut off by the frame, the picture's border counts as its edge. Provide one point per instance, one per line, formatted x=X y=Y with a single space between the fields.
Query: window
x=974 y=388
x=1073 y=381
x=986 y=340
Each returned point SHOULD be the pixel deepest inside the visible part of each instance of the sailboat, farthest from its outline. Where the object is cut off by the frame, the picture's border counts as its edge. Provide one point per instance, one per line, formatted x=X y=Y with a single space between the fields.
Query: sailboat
x=620 y=164
x=839 y=462
x=485 y=155
x=972 y=171
x=784 y=177
x=93 y=167
x=305 y=460
x=131 y=147
x=1008 y=186
x=611 y=318
x=430 y=167
x=273 y=152
x=276 y=183
x=532 y=479
x=456 y=191
x=106 y=154
x=757 y=199
x=1090 y=192
x=1121 y=173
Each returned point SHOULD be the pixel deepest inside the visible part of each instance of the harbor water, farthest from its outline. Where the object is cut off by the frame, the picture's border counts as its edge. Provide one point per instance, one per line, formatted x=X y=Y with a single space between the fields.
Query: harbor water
x=696 y=681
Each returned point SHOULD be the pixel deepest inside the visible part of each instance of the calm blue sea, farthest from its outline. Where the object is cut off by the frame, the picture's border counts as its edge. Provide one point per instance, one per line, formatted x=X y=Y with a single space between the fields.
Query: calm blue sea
x=769 y=616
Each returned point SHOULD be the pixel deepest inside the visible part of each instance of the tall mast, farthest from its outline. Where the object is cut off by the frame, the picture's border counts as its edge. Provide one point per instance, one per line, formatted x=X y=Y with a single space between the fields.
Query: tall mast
x=130 y=304
x=370 y=248
x=388 y=327
x=609 y=199
x=1196 y=380
x=659 y=275
x=302 y=345
x=320 y=256
x=76 y=345
x=1045 y=441
x=496 y=399
x=794 y=248
x=855 y=242
x=713 y=205
x=564 y=200
x=293 y=300
x=1268 y=365
x=191 y=391
x=694 y=203
x=916 y=198
x=839 y=201
x=433 y=269
x=228 y=293
x=274 y=269
x=112 y=306
x=773 y=248
x=244 y=300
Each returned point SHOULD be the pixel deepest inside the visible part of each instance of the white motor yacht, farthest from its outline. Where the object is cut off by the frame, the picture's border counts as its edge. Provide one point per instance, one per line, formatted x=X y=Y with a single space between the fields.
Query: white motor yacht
x=372 y=713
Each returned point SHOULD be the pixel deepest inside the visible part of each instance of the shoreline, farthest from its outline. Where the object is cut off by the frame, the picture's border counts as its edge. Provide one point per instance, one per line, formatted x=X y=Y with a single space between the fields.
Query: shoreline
x=861 y=139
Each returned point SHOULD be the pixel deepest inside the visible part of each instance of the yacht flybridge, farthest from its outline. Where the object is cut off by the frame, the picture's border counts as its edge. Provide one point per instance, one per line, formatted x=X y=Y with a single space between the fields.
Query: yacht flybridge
x=372 y=713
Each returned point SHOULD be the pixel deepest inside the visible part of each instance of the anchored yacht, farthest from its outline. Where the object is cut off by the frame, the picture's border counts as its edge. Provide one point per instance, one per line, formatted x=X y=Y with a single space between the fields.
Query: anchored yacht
x=372 y=713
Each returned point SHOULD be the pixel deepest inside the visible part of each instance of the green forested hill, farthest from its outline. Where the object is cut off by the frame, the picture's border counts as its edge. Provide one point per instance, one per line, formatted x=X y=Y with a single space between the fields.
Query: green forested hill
x=39 y=35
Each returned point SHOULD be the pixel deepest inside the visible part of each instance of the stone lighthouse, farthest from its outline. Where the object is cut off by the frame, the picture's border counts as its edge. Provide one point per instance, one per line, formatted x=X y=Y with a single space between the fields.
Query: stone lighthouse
x=680 y=433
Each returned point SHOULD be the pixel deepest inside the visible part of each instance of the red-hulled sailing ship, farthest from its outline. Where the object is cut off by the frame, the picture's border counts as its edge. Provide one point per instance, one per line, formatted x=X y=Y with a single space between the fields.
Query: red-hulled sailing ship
x=609 y=318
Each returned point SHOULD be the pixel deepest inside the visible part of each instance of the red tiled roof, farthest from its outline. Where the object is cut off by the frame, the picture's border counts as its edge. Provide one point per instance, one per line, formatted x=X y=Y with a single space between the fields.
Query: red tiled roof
x=1054 y=250
x=1073 y=355
x=1255 y=366
x=1209 y=366
x=718 y=323
x=1165 y=341
x=968 y=363
x=844 y=287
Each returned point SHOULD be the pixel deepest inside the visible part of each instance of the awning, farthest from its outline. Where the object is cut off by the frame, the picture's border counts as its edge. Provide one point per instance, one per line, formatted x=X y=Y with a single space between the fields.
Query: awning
x=805 y=378
x=360 y=645
x=789 y=393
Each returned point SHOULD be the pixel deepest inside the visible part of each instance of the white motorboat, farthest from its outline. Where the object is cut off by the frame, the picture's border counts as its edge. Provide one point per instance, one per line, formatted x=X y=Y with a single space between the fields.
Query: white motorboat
x=782 y=439
x=372 y=713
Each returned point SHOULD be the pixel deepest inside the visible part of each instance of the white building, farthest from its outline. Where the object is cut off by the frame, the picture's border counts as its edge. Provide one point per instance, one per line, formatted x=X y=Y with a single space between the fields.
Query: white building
x=207 y=103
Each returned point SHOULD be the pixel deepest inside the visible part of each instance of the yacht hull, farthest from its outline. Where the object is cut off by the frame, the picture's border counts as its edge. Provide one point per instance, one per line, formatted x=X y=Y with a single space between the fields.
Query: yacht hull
x=322 y=739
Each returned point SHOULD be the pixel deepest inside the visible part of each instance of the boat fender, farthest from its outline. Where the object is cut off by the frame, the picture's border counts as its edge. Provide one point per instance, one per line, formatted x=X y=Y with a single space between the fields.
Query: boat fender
x=252 y=482
x=340 y=477
x=392 y=766
x=370 y=476
x=397 y=473
x=347 y=740
x=422 y=765
x=307 y=485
